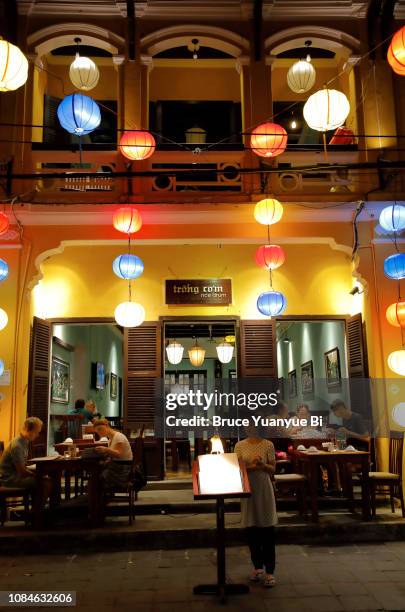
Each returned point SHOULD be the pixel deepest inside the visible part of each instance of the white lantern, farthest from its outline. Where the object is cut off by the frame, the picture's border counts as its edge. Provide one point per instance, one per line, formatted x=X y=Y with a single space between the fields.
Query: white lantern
x=84 y=73
x=129 y=314
x=398 y=414
x=325 y=110
x=196 y=355
x=174 y=351
x=3 y=319
x=396 y=362
x=225 y=352
x=13 y=67
x=301 y=76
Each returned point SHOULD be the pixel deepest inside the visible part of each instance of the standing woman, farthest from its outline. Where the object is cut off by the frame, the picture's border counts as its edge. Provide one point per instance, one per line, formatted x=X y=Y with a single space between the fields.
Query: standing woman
x=259 y=515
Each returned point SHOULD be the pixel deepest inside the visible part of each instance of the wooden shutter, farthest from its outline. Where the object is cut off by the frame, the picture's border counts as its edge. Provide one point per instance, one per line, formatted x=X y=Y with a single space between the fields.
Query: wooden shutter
x=357 y=366
x=143 y=361
x=258 y=355
x=38 y=380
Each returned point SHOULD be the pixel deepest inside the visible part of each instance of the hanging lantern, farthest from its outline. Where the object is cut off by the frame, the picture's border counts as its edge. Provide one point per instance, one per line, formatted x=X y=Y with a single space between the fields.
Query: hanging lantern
x=137 y=145
x=392 y=218
x=3 y=319
x=270 y=256
x=396 y=52
x=196 y=355
x=301 y=76
x=128 y=266
x=4 y=222
x=398 y=414
x=1 y=367
x=268 y=140
x=174 y=352
x=79 y=114
x=13 y=67
x=127 y=220
x=271 y=303
x=225 y=352
x=129 y=314
x=396 y=362
x=325 y=110
x=3 y=270
x=84 y=73
x=394 y=266
x=268 y=211
x=231 y=339
x=396 y=314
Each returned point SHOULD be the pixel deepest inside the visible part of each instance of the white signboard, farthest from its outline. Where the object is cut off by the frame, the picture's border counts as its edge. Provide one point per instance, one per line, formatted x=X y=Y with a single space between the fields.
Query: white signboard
x=219 y=474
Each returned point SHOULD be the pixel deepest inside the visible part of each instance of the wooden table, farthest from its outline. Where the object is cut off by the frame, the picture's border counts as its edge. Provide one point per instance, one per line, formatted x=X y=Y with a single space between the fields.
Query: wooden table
x=80 y=444
x=310 y=462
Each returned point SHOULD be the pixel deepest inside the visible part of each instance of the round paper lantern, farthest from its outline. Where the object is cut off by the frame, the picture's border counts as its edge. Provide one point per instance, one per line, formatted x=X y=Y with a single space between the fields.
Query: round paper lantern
x=392 y=218
x=4 y=223
x=128 y=266
x=13 y=67
x=83 y=73
x=396 y=52
x=1 y=367
x=225 y=352
x=196 y=355
x=396 y=314
x=301 y=76
x=127 y=220
x=396 y=362
x=3 y=319
x=268 y=211
x=174 y=352
x=79 y=114
x=3 y=270
x=137 y=145
x=268 y=140
x=398 y=414
x=129 y=314
x=394 y=266
x=325 y=110
x=271 y=303
x=270 y=256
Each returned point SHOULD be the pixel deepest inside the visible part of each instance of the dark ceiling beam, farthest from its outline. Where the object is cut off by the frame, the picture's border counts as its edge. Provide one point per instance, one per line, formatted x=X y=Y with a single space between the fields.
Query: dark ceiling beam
x=131 y=29
x=258 y=29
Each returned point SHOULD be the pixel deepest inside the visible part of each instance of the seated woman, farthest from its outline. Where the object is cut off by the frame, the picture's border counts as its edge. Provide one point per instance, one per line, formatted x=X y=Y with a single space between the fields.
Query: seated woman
x=115 y=474
x=303 y=412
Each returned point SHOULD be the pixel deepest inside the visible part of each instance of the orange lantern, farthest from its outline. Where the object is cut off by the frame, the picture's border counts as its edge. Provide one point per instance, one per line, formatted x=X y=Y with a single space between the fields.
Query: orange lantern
x=137 y=145
x=127 y=220
x=4 y=223
x=270 y=256
x=268 y=140
x=396 y=52
x=396 y=314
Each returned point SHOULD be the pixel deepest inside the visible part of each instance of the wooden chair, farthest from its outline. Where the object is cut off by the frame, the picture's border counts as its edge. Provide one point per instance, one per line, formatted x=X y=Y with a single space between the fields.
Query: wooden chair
x=296 y=483
x=392 y=478
x=127 y=492
x=9 y=497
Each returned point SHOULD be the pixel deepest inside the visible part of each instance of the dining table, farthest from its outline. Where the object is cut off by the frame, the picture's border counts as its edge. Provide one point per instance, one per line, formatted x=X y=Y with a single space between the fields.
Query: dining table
x=309 y=462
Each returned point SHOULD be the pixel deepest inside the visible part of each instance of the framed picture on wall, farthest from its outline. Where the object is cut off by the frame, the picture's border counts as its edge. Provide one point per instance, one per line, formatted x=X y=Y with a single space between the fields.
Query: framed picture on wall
x=60 y=381
x=113 y=386
x=332 y=368
x=292 y=383
x=307 y=377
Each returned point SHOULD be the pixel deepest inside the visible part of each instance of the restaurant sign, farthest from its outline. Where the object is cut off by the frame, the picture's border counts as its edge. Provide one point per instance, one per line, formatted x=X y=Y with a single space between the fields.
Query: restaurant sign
x=207 y=291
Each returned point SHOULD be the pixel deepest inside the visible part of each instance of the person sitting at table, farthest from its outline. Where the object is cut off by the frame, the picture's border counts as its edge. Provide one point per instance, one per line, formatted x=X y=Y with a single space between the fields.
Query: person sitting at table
x=305 y=431
x=86 y=409
x=114 y=474
x=280 y=411
x=353 y=425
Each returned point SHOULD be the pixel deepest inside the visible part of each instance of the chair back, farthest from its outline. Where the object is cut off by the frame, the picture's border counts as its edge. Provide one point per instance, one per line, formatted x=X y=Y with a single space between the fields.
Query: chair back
x=396 y=452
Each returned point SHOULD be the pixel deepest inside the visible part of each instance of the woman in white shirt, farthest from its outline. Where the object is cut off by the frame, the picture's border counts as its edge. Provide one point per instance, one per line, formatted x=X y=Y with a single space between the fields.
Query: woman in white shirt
x=115 y=473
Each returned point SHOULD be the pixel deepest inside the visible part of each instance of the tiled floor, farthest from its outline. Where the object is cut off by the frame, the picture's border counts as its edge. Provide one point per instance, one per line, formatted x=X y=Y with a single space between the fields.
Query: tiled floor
x=313 y=579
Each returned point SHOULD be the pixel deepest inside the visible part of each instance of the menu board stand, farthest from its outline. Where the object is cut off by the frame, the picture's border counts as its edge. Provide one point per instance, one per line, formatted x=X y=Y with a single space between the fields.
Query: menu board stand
x=221 y=588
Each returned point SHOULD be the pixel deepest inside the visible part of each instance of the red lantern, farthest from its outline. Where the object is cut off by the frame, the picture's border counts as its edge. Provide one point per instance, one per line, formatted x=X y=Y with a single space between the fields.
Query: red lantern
x=270 y=256
x=127 y=220
x=137 y=145
x=342 y=136
x=4 y=223
x=268 y=140
x=396 y=314
x=396 y=52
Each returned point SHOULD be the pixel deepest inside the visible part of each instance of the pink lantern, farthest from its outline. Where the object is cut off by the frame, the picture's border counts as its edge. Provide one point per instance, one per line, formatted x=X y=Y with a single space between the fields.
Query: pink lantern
x=270 y=256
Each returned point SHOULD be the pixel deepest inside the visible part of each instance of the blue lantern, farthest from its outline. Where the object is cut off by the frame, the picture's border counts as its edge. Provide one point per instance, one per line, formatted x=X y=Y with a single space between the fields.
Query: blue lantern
x=3 y=270
x=1 y=367
x=392 y=218
x=271 y=303
x=79 y=114
x=394 y=266
x=128 y=266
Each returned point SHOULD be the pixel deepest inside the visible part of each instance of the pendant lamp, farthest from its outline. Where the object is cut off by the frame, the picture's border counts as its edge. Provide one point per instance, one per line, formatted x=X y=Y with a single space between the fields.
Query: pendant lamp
x=4 y=223
x=301 y=76
x=3 y=270
x=225 y=352
x=1 y=367
x=196 y=355
x=396 y=314
x=13 y=67
x=3 y=319
x=268 y=140
x=79 y=114
x=129 y=314
x=394 y=266
x=128 y=267
x=174 y=352
x=325 y=110
x=137 y=145
x=268 y=211
x=270 y=256
x=396 y=362
x=271 y=303
x=392 y=218
x=127 y=220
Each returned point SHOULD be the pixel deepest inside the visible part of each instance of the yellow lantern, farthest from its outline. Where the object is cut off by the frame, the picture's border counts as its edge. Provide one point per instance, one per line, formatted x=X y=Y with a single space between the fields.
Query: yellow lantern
x=396 y=362
x=3 y=319
x=13 y=67
x=301 y=76
x=196 y=355
x=84 y=73
x=325 y=110
x=268 y=211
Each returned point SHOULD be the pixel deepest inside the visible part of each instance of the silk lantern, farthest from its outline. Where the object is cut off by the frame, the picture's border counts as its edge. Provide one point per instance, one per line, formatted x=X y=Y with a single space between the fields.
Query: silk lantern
x=13 y=67
x=137 y=145
x=396 y=362
x=129 y=314
x=268 y=211
x=3 y=270
x=79 y=114
x=396 y=52
x=325 y=110
x=196 y=355
x=225 y=352
x=128 y=266
x=301 y=76
x=174 y=352
x=3 y=319
x=4 y=223
x=395 y=314
x=83 y=73
x=127 y=220
x=270 y=256
x=394 y=266
x=268 y=140
x=392 y=218
x=271 y=303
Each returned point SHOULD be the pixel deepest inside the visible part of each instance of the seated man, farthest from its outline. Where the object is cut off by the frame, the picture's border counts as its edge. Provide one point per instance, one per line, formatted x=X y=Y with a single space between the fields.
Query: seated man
x=353 y=425
x=114 y=474
x=13 y=463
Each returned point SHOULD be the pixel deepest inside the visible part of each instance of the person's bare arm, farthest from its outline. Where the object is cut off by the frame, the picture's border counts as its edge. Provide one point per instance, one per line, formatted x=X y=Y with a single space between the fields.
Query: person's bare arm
x=116 y=452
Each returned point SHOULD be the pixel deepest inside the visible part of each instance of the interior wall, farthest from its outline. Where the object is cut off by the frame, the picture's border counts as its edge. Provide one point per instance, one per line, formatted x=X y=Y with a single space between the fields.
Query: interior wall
x=181 y=83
